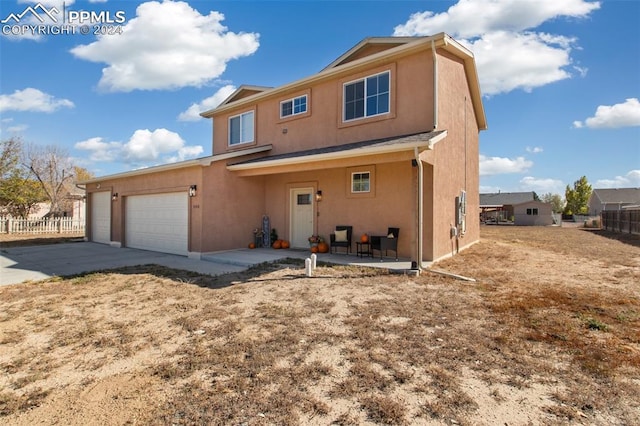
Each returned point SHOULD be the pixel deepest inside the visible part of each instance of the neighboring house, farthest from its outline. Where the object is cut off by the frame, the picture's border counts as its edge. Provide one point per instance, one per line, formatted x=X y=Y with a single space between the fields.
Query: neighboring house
x=499 y=206
x=533 y=213
x=612 y=199
x=385 y=136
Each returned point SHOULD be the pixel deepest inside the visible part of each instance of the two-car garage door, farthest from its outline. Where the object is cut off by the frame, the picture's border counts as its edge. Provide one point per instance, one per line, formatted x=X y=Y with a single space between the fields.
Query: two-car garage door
x=158 y=222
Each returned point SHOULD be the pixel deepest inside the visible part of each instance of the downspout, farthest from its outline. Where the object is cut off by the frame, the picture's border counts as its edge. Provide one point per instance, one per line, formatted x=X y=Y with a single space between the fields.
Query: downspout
x=420 y=210
x=435 y=85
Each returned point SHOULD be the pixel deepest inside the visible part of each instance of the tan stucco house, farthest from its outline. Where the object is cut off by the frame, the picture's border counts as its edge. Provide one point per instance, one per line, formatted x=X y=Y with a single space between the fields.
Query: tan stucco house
x=387 y=134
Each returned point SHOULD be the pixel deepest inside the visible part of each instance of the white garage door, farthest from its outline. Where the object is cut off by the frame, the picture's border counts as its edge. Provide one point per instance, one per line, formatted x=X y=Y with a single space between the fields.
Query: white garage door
x=157 y=222
x=101 y=217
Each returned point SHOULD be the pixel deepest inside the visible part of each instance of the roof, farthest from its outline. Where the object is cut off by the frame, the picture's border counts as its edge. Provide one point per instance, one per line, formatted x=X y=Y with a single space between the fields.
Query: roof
x=197 y=162
x=364 y=54
x=617 y=195
x=244 y=91
x=505 y=198
x=367 y=46
x=424 y=140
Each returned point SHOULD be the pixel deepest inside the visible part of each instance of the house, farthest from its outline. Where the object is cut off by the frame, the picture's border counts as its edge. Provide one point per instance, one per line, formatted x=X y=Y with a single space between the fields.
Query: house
x=499 y=206
x=533 y=213
x=384 y=136
x=612 y=199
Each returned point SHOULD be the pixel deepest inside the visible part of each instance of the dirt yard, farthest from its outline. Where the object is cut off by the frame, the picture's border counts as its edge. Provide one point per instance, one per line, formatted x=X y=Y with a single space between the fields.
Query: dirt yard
x=548 y=334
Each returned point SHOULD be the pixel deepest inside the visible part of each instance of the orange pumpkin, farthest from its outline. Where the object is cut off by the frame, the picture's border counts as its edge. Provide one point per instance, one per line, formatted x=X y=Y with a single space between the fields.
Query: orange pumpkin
x=314 y=249
x=364 y=238
x=252 y=245
x=277 y=244
x=285 y=244
x=323 y=247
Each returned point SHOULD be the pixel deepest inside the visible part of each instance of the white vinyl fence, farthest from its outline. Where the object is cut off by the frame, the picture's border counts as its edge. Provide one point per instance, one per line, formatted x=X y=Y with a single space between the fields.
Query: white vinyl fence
x=59 y=225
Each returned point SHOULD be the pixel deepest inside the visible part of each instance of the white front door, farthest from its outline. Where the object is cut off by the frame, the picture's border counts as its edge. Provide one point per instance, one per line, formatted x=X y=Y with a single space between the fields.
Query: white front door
x=301 y=227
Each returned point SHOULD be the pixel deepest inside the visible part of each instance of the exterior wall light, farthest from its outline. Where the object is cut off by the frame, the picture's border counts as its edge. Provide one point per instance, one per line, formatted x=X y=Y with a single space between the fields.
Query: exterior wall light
x=192 y=190
x=114 y=196
x=318 y=195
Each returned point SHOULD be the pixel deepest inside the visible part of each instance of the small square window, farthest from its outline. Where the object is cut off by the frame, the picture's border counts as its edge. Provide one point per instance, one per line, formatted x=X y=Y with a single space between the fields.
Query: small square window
x=360 y=182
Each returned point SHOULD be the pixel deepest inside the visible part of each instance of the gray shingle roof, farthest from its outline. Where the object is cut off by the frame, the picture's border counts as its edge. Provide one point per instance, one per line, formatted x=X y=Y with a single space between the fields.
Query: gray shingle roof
x=505 y=198
x=617 y=195
x=391 y=141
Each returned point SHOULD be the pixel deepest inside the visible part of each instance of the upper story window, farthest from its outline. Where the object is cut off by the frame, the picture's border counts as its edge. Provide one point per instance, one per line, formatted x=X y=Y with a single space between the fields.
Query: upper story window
x=367 y=97
x=241 y=128
x=293 y=106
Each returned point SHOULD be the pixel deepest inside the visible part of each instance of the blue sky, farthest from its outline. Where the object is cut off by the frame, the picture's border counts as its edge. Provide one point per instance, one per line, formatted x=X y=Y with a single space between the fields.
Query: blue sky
x=560 y=79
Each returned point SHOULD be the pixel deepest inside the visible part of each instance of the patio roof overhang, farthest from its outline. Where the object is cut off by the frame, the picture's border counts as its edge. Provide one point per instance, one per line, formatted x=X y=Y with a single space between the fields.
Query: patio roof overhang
x=375 y=151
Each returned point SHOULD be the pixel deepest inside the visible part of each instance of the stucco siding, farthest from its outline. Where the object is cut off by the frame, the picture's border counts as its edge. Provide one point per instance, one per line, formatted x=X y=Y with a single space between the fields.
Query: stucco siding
x=455 y=159
x=411 y=111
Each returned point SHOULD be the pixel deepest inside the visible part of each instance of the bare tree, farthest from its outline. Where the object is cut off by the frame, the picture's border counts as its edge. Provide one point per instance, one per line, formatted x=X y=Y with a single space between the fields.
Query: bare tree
x=50 y=165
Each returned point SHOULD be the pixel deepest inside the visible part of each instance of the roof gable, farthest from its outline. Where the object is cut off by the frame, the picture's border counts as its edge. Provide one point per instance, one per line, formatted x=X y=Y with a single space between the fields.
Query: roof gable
x=244 y=91
x=367 y=47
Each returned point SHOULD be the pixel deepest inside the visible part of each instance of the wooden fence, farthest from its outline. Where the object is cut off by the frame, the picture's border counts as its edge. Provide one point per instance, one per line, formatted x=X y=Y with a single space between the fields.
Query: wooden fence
x=623 y=221
x=60 y=225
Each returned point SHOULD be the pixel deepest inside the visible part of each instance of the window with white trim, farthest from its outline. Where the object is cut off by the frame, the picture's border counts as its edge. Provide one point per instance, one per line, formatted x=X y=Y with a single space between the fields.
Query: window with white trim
x=532 y=212
x=360 y=182
x=293 y=106
x=241 y=128
x=366 y=97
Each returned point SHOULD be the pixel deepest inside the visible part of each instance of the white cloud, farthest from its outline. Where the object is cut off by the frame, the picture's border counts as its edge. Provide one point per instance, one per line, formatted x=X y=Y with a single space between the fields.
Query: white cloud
x=508 y=54
x=508 y=61
x=31 y=99
x=542 y=185
x=534 y=150
x=626 y=114
x=472 y=18
x=500 y=165
x=630 y=180
x=143 y=148
x=193 y=112
x=167 y=45
x=100 y=150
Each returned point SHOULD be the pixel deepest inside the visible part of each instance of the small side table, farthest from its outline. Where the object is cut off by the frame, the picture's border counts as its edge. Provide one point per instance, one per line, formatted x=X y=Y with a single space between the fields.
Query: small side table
x=363 y=249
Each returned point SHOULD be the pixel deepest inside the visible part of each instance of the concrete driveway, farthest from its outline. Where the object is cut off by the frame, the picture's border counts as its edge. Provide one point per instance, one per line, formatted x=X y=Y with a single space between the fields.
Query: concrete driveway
x=34 y=263
x=40 y=262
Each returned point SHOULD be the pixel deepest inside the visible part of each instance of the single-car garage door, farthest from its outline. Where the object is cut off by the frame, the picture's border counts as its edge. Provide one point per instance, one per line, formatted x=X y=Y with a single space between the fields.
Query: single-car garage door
x=101 y=217
x=157 y=222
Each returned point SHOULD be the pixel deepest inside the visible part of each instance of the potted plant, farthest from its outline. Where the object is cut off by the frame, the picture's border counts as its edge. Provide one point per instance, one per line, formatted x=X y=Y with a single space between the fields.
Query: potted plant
x=317 y=244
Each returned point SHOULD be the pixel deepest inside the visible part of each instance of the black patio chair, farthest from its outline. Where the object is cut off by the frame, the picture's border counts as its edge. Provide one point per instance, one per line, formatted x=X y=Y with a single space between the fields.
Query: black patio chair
x=386 y=242
x=341 y=238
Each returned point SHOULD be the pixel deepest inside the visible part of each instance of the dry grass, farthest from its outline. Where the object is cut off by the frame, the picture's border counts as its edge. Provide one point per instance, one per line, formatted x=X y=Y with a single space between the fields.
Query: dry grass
x=550 y=333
